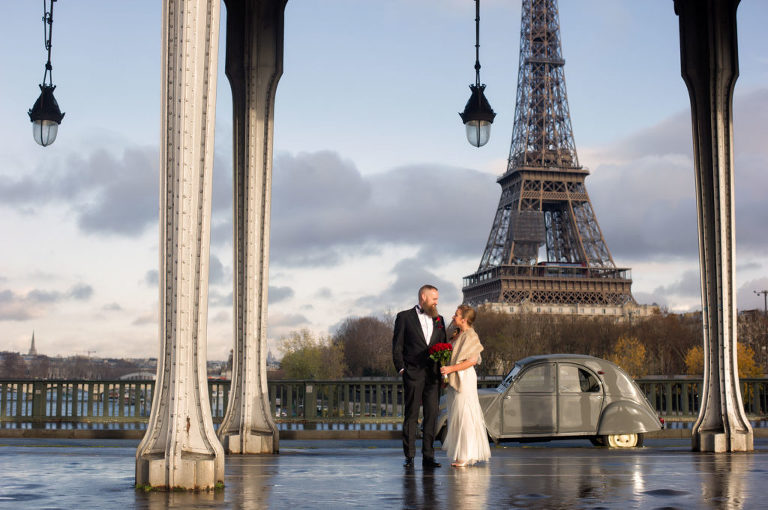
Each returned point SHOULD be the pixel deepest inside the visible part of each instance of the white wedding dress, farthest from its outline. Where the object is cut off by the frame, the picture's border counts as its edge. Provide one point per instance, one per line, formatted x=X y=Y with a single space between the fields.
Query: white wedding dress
x=466 y=439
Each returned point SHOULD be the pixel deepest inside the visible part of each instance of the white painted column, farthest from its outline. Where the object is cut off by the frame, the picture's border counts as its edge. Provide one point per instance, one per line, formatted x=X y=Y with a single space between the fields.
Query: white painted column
x=180 y=448
x=254 y=66
x=709 y=55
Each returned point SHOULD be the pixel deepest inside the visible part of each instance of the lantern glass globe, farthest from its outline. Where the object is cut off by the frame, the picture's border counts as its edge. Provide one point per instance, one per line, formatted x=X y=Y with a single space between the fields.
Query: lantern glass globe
x=478 y=132
x=45 y=131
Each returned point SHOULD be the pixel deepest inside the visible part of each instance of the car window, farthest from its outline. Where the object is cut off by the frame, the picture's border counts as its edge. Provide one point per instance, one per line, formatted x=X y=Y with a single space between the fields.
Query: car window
x=538 y=379
x=588 y=382
x=573 y=379
x=568 y=379
x=508 y=379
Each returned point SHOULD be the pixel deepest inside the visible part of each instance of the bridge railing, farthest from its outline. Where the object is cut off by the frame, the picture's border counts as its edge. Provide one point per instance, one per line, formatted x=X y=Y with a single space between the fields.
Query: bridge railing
x=679 y=397
x=127 y=404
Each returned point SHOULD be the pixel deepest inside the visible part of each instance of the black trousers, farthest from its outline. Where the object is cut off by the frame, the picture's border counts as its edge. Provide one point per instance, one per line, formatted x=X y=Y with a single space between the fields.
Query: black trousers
x=421 y=387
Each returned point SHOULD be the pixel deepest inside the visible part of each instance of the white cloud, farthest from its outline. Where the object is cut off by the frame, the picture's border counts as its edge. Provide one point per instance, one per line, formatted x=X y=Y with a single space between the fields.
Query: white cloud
x=643 y=187
x=36 y=302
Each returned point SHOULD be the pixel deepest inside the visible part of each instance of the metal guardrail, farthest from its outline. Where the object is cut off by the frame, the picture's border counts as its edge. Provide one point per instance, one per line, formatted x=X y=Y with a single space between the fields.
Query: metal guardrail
x=126 y=404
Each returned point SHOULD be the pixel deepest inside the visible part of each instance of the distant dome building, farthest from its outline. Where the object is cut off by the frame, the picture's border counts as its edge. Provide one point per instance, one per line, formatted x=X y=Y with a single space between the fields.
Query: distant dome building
x=272 y=362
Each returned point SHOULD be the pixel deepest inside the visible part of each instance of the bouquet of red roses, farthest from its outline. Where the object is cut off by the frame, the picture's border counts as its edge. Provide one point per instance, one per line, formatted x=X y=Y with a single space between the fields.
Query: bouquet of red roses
x=441 y=353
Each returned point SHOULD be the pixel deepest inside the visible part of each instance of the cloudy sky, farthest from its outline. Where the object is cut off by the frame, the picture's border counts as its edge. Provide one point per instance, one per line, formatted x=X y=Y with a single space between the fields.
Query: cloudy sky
x=376 y=190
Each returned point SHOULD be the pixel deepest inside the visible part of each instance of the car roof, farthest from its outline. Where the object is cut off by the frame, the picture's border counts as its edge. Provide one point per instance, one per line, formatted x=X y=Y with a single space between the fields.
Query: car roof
x=558 y=357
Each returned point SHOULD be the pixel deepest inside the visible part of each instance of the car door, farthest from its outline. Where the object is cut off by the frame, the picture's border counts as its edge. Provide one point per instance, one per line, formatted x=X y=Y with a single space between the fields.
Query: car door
x=579 y=400
x=530 y=405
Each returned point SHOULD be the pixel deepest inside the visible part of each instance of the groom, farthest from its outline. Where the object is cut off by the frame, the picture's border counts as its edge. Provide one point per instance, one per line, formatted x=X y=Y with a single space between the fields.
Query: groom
x=416 y=330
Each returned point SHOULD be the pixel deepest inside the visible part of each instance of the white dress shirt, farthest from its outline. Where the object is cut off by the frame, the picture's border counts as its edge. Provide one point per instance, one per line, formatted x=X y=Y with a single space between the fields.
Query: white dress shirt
x=426 y=323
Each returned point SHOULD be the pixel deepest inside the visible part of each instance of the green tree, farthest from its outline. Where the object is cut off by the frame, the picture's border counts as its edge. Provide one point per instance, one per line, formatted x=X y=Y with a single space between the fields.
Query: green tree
x=307 y=357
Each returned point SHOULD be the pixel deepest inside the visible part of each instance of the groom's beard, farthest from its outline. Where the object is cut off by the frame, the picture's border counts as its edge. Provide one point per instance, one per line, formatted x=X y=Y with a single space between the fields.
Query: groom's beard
x=430 y=310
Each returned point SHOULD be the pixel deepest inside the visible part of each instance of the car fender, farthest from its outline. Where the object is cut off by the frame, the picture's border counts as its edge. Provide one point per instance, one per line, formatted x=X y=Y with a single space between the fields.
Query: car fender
x=491 y=416
x=442 y=421
x=626 y=417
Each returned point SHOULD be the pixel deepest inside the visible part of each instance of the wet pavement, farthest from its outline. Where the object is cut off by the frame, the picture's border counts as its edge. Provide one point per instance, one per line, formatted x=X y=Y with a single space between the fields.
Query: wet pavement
x=86 y=474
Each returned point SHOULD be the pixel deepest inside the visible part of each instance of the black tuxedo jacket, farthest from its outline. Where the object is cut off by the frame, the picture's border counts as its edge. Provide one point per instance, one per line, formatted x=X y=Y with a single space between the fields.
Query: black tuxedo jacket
x=409 y=348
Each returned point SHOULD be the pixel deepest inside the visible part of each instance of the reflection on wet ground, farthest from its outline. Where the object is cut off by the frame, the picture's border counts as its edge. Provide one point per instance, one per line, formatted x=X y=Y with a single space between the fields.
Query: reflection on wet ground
x=369 y=474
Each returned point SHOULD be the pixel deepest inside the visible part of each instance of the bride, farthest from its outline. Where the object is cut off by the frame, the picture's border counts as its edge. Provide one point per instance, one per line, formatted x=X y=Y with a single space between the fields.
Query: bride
x=466 y=440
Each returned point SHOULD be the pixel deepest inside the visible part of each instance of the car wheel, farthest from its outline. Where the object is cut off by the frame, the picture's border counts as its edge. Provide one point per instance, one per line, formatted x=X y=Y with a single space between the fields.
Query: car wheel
x=625 y=440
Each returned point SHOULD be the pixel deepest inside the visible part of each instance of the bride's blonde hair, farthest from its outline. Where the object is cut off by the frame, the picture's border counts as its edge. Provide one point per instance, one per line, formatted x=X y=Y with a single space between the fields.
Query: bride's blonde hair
x=467 y=313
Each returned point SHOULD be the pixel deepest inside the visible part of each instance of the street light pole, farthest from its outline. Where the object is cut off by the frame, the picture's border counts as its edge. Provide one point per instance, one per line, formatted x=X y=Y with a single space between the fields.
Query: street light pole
x=765 y=299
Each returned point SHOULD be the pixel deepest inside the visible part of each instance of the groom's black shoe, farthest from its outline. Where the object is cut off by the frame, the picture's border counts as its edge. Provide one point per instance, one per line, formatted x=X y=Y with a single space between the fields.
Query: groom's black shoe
x=408 y=462
x=430 y=463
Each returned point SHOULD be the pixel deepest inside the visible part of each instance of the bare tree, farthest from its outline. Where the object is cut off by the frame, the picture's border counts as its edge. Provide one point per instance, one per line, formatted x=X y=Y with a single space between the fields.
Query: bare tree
x=40 y=367
x=665 y=338
x=13 y=366
x=753 y=331
x=367 y=344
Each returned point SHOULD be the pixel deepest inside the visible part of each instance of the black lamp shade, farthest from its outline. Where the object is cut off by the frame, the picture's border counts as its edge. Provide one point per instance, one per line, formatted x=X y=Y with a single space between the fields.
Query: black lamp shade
x=478 y=117
x=45 y=116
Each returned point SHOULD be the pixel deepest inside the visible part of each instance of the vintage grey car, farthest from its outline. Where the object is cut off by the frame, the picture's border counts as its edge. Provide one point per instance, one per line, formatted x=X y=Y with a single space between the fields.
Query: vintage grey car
x=565 y=396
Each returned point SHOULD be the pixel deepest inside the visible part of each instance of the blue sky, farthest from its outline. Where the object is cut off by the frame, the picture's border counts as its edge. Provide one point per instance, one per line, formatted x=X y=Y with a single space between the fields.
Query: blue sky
x=375 y=188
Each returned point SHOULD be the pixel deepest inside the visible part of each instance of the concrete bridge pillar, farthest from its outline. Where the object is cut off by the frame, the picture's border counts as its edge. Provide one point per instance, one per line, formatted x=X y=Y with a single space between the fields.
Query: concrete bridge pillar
x=709 y=56
x=180 y=448
x=254 y=64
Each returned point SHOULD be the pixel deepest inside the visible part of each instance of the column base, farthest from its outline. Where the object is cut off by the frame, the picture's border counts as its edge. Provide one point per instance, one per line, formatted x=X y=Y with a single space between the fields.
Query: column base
x=718 y=441
x=235 y=444
x=194 y=472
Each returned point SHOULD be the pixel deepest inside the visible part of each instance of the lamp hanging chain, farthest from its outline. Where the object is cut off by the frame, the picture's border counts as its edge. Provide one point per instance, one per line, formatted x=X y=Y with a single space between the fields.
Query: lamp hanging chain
x=47 y=35
x=477 y=43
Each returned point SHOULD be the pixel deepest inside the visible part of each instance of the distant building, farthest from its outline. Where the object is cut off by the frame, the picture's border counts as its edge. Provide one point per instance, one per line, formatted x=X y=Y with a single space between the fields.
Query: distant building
x=272 y=362
x=627 y=311
x=216 y=369
x=32 y=349
x=138 y=376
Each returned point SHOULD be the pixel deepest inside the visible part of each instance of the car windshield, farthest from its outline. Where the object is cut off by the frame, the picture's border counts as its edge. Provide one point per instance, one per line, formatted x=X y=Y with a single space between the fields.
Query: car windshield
x=509 y=378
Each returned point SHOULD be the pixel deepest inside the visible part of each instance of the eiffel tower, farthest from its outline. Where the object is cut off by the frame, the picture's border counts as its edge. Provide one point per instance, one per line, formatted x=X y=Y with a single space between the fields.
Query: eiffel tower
x=545 y=245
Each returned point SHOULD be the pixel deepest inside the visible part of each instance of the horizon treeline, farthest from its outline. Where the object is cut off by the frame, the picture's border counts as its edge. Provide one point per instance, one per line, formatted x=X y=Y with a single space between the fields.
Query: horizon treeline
x=663 y=344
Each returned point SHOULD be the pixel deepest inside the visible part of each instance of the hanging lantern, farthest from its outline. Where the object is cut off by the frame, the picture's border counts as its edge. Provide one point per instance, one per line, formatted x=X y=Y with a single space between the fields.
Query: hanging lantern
x=45 y=113
x=478 y=117
x=45 y=116
x=478 y=114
